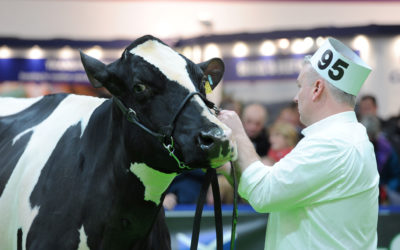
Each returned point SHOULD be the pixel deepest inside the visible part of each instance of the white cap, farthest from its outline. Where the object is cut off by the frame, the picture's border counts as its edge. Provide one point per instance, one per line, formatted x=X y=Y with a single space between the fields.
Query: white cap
x=340 y=66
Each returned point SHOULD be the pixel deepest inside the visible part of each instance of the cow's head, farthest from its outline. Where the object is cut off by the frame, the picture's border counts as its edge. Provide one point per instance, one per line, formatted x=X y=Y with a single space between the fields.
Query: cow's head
x=154 y=80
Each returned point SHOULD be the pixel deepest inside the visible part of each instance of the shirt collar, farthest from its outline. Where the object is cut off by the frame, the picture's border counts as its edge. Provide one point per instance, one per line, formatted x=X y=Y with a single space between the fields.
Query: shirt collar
x=348 y=116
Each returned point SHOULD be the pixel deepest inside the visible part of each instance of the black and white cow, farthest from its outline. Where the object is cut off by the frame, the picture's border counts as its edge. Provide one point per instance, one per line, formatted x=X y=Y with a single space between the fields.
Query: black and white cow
x=76 y=174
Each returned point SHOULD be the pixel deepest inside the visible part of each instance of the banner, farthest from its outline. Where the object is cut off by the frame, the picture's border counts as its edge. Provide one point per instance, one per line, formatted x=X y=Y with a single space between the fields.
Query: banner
x=42 y=70
x=263 y=67
x=251 y=228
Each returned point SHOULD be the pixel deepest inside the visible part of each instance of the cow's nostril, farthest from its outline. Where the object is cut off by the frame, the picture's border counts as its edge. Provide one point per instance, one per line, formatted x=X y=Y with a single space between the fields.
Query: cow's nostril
x=208 y=139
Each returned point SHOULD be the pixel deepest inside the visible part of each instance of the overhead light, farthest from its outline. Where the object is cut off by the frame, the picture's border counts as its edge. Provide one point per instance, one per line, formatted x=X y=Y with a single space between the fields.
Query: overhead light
x=268 y=48
x=5 y=52
x=211 y=50
x=196 y=54
x=240 y=49
x=283 y=43
x=361 y=43
x=396 y=47
x=187 y=52
x=95 y=52
x=308 y=43
x=301 y=46
x=297 y=46
x=66 y=52
x=35 y=53
x=320 y=40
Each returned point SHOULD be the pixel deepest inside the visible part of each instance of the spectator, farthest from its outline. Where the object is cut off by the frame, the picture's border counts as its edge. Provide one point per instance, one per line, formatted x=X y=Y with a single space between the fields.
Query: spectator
x=282 y=137
x=387 y=161
x=184 y=189
x=291 y=115
x=368 y=106
x=254 y=118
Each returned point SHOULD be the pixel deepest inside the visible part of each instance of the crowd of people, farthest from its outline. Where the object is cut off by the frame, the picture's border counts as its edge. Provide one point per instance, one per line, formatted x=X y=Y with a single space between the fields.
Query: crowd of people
x=274 y=139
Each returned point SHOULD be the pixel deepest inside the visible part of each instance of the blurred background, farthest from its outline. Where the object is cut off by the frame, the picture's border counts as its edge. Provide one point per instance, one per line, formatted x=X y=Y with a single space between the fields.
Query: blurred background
x=262 y=43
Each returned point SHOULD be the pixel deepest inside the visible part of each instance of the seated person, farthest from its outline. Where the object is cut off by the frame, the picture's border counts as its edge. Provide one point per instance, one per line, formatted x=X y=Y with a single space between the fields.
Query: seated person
x=282 y=137
x=254 y=118
x=184 y=189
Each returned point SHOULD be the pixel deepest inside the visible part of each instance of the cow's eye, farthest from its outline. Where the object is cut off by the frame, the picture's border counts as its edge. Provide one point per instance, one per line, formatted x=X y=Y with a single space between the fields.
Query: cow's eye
x=139 y=88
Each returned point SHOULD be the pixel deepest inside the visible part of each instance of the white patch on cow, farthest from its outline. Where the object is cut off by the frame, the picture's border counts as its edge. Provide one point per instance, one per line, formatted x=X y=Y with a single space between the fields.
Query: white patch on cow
x=154 y=182
x=11 y=105
x=168 y=61
x=82 y=239
x=16 y=209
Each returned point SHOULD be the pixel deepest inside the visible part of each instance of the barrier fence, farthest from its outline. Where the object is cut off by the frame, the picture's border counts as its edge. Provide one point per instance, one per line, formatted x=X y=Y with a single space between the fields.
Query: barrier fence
x=251 y=228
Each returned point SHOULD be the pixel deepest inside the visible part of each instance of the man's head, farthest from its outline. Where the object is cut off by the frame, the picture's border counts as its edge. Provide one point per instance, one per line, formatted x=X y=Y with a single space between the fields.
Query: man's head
x=254 y=118
x=368 y=106
x=329 y=82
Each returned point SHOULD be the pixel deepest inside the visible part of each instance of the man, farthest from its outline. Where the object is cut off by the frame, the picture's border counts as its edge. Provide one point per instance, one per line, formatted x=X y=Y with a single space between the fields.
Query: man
x=324 y=193
x=254 y=118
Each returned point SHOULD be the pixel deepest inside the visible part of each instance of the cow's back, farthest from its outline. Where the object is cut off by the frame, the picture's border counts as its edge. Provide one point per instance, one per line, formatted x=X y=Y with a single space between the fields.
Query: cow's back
x=29 y=132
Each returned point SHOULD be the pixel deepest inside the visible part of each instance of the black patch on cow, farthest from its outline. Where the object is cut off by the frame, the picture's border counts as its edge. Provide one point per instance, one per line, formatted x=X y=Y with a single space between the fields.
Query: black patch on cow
x=19 y=239
x=86 y=182
x=13 y=125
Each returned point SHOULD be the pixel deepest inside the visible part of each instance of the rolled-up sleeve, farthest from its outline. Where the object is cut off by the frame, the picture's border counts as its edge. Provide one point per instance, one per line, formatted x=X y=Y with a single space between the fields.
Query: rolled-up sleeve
x=310 y=173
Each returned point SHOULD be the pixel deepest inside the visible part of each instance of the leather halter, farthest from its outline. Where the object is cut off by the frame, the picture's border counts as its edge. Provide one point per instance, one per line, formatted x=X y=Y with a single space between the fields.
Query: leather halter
x=165 y=137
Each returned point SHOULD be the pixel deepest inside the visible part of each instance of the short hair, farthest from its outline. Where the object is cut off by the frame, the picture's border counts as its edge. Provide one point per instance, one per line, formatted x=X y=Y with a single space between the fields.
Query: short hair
x=338 y=94
x=287 y=130
x=369 y=97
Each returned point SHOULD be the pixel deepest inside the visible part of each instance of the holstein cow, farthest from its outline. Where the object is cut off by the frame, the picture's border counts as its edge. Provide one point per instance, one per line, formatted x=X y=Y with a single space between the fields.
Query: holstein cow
x=80 y=172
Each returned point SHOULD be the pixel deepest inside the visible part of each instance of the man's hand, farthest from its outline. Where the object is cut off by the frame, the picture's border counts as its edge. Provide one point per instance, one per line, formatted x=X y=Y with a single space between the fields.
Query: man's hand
x=246 y=151
x=232 y=120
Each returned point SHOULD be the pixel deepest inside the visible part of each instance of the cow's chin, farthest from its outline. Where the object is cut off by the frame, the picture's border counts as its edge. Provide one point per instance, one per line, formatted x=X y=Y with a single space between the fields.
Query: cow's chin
x=221 y=160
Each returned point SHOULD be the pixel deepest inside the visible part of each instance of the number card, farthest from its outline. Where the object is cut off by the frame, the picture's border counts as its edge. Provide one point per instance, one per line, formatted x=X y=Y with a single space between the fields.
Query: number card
x=340 y=66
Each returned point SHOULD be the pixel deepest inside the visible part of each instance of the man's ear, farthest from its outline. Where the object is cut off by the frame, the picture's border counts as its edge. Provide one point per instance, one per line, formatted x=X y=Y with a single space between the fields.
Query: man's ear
x=318 y=89
x=215 y=69
x=95 y=70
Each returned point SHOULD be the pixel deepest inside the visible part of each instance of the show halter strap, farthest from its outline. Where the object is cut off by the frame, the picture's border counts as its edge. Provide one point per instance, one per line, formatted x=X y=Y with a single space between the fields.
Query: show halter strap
x=211 y=176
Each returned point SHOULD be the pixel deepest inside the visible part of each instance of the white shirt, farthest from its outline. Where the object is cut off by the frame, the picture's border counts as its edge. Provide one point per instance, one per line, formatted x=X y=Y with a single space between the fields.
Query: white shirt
x=324 y=193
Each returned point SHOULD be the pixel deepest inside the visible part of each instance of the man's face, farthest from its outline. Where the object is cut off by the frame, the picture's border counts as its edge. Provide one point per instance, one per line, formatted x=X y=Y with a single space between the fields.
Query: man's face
x=367 y=107
x=253 y=122
x=304 y=95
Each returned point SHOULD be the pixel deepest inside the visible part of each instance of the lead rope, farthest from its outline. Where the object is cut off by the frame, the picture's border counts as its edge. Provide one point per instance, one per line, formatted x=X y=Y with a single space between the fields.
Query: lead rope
x=211 y=177
x=235 y=208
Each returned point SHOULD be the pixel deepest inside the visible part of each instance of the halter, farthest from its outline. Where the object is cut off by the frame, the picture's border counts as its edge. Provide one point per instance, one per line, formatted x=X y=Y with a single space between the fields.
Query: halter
x=165 y=137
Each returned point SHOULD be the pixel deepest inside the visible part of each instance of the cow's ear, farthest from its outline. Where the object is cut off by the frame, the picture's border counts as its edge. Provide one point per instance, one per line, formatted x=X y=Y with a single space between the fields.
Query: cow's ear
x=95 y=70
x=215 y=69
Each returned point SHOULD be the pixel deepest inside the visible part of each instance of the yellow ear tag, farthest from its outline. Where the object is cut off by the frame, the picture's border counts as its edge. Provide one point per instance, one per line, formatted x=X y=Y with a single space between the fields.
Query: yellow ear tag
x=208 y=84
x=208 y=87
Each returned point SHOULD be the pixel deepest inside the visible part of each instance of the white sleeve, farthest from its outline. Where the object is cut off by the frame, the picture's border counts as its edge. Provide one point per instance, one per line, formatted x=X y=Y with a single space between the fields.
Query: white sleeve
x=309 y=173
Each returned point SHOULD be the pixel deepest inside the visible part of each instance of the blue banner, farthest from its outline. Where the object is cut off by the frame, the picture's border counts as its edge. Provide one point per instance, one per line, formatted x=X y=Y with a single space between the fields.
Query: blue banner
x=263 y=67
x=42 y=70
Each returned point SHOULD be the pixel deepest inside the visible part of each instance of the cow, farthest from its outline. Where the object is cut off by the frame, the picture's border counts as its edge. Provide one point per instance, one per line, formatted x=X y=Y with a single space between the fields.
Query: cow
x=80 y=172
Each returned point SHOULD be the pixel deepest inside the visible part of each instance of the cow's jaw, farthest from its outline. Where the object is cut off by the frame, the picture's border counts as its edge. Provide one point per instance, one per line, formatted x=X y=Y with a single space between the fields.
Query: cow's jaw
x=155 y=182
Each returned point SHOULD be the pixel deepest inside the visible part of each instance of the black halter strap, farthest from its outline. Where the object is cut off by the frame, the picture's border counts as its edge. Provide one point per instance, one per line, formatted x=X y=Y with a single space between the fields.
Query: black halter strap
x=168 y=130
